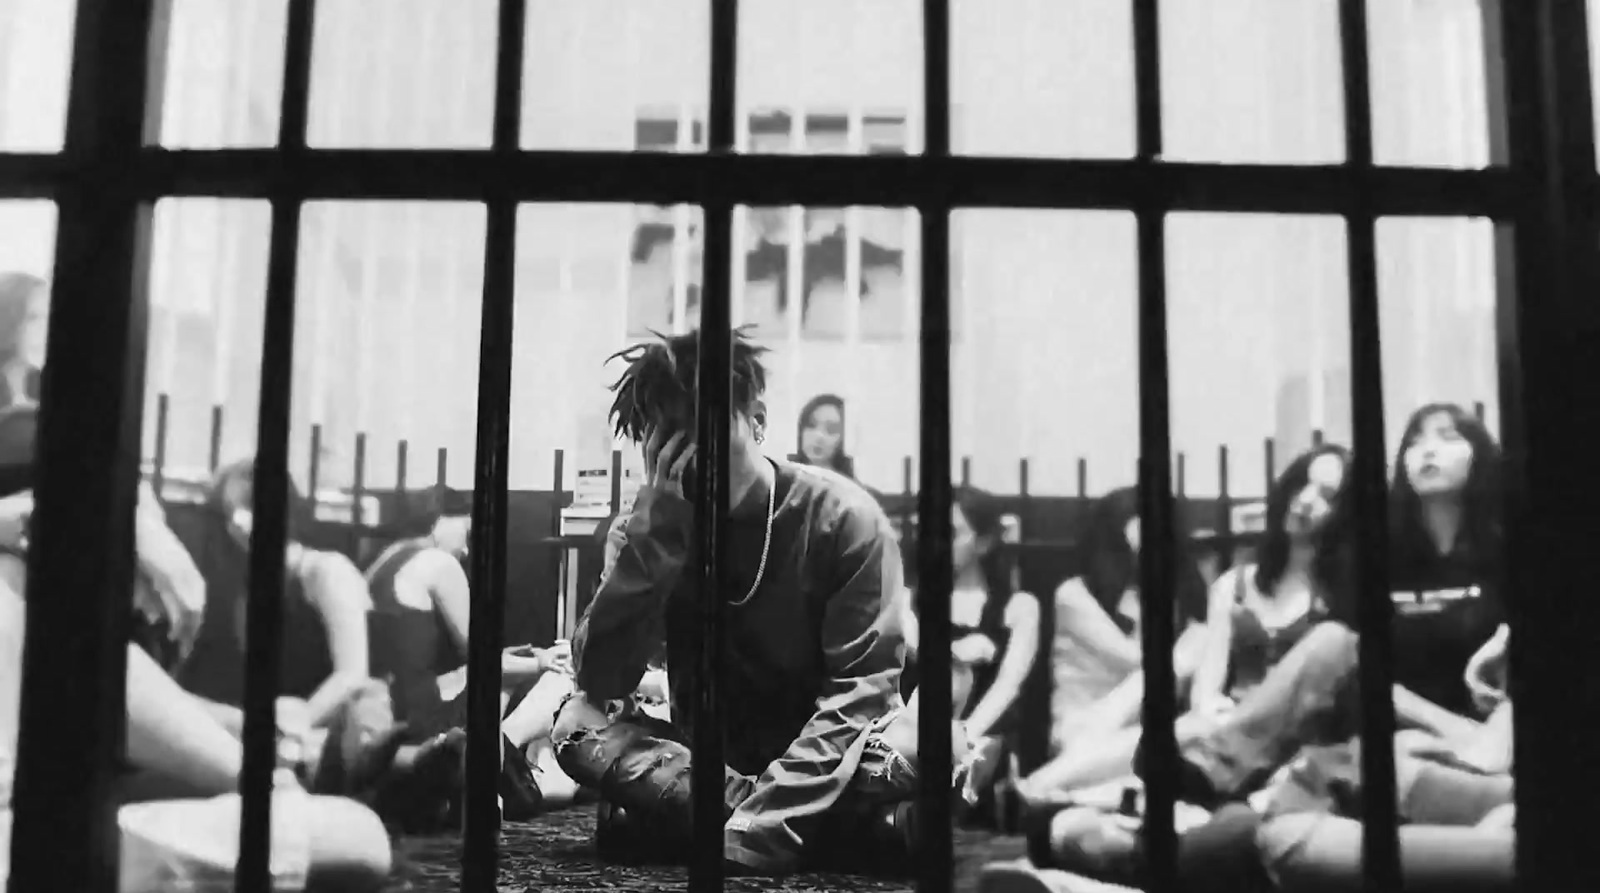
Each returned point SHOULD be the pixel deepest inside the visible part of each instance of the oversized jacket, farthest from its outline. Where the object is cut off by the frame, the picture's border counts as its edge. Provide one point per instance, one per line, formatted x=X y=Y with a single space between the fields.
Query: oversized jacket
x=812 y=660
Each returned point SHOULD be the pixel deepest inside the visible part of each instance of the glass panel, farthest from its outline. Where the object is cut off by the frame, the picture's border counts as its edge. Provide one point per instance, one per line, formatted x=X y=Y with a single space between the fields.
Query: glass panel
x=1430 y=101
x=1259 y=342
x=830 y=77
x=35 y=65
x=617 y=75
x=1252 y=81
x=419 y=74
x=224 y=74
x=1042 y=78
x=1050 y=305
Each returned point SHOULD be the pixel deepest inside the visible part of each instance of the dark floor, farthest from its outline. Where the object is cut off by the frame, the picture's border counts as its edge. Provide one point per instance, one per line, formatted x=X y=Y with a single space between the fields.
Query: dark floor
x=556 y=853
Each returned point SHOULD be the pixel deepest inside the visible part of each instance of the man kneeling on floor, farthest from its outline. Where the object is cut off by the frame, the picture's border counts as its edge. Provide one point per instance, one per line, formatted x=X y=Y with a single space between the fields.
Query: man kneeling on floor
x=814 y=647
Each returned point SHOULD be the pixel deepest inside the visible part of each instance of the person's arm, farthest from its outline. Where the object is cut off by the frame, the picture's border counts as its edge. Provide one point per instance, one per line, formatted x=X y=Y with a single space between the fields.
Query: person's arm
x=450 y=592
x=1086 y=623
x=339 y=594
x=1211 y=676
x=172 y=572
x=1413 y=709
x=619 y=631
x=862 y=647
x=1022 y=619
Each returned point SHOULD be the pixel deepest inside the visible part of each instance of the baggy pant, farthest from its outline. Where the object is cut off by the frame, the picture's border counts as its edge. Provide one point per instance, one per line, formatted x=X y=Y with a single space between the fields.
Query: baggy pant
x=641 y=768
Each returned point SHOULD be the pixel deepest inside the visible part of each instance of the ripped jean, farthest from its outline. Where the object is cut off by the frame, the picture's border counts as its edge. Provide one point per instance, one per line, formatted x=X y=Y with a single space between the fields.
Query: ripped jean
x=641 y=765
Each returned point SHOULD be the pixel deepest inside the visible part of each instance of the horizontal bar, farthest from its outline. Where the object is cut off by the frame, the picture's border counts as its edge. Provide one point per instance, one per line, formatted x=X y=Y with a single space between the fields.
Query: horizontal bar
x=770 y=180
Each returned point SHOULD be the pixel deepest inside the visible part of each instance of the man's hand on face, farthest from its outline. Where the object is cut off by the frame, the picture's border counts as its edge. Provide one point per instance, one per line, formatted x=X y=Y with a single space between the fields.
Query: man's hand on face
x=665 y=462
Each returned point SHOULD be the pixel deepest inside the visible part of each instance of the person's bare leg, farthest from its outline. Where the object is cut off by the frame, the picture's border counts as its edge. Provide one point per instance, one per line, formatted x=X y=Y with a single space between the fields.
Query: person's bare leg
x=349 y=847
x=533 y=720
x=174 y=739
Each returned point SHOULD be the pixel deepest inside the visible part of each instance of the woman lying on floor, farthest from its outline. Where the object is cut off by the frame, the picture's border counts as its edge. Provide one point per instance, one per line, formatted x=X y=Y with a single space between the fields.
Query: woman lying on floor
x=421 y=603
x=180 y=822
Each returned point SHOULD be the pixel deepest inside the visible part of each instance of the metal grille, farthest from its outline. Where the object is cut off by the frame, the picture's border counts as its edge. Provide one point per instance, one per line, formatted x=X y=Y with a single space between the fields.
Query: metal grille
x=1540 y=191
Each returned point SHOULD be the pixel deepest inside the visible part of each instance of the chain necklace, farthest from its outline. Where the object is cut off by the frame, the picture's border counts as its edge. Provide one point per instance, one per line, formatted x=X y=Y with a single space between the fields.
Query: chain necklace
x=766 y=543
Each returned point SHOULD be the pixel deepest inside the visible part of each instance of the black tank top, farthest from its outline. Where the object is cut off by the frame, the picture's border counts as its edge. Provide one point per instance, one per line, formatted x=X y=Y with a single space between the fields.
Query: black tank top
x=1255 y=649
x=410 y=647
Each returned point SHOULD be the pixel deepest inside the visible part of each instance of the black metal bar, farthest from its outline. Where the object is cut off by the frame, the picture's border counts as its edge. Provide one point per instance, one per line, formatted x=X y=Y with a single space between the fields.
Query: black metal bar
x=1180 y=483
x=441 y=474
x=1316 y=437
x=775 y=180
x=966 y=471
x=1224 y=512
x=1478 y=411
x=480 y=863
x=358 y=483
x=1269 y=456
x=1380 y=838
x=1547 y=331
x=158 y=471
x=616 y=482
x=314 y=466
x=935 y=572
x=72 y=712
x=1157 y=525
x=402 y=458
x=1083 y=478
x=907 y=476
x=557 y=477
x=269 y=531
x=215 y=456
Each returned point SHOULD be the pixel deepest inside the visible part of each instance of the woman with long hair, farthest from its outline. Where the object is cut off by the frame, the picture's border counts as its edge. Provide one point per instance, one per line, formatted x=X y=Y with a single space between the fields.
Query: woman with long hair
x=1096 y=656
x=1259 y=611
x=820 y=438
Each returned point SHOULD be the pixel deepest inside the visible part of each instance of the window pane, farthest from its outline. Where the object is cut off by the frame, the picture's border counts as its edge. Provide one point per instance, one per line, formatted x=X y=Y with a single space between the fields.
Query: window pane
x=224 y=73
x=35 y=65
x=1042 y=78
x=830 y=77
x=1430 y=101
x=406 y=74
x=1437 y=287
x=1252 y=81
x=1259 y=343
x=617 y=75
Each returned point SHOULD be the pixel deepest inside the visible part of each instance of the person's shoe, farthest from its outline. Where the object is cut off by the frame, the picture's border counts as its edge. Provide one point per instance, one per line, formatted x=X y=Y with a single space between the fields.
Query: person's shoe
x=1194 y=785
x=520 y=794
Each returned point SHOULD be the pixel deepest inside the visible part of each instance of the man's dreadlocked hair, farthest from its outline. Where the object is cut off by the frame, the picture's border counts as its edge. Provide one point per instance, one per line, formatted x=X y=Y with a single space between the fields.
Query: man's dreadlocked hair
x=663 y=372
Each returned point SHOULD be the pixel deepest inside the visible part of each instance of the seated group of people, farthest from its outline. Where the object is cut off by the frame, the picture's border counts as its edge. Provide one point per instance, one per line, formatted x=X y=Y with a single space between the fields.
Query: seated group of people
x=821 y=755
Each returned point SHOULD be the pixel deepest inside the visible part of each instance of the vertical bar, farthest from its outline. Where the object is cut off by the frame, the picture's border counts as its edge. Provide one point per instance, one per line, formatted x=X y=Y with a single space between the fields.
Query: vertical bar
x=1270 y=460
x=158 y=472
x=358 y=483
x=557 y=475
x=1180 y=482
x=935 y=572
x=65 y=835
x=1225 y=544
x=616 y=482
x=714 y=392
x=401 y=459
x=215 y=457
x=269 y=532
x=1380 y=841
x=314 y=467
x=1478 y=410
x=480 y=866
x=1546 y=343
x=441 y=473
x=907 y=477
x=966 y=471
x=1083 y=478
x=1155 y=480
x=1316 y=437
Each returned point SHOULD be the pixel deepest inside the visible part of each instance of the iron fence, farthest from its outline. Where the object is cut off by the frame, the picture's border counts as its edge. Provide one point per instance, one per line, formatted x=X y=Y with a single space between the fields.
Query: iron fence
x=1541 y=190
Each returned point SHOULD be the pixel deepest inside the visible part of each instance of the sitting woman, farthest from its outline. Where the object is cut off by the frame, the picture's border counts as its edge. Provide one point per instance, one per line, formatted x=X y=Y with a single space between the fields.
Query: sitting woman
x=1258 y=612
x=1098 y=686
x=820 y=440
x=994 y=634
x=421 y=602
x=325 y=603
x=179 y=825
